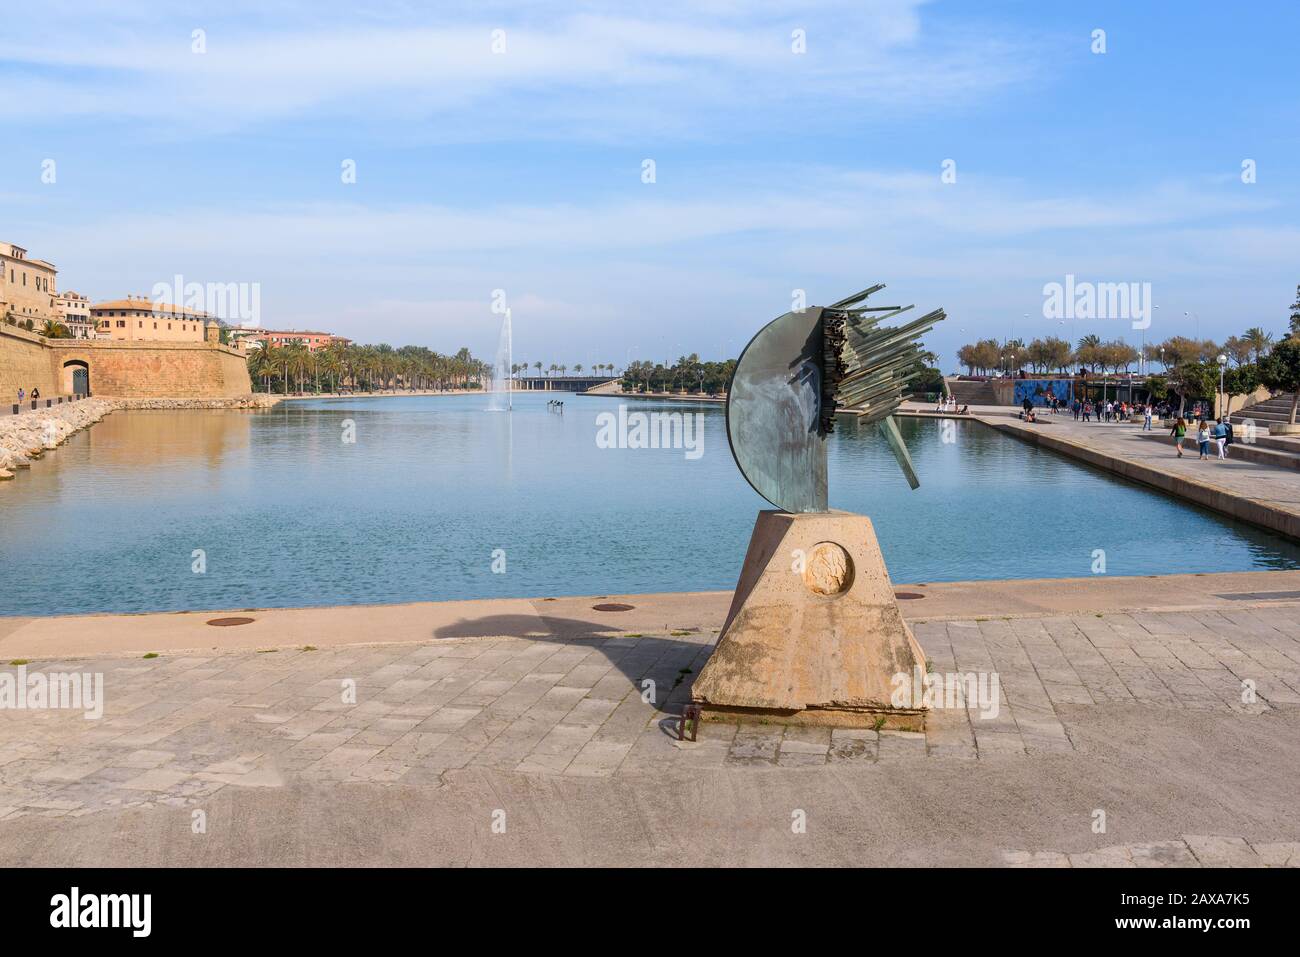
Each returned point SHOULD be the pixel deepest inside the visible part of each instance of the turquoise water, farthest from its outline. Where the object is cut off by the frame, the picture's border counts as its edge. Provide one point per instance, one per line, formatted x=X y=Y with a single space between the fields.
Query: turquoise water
x=287 y=514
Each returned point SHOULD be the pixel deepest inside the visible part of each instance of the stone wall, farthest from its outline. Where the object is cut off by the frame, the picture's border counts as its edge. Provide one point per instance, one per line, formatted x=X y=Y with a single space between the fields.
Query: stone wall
x=183 y=370
x=24 y=363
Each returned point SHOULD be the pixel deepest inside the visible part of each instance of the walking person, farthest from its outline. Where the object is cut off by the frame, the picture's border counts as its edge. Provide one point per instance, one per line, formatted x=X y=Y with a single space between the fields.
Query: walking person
x=1146 y=418
x=1221 y=438
x=1203 y=439
x=1179 y=432
x=1229 y=438
x=21 y=393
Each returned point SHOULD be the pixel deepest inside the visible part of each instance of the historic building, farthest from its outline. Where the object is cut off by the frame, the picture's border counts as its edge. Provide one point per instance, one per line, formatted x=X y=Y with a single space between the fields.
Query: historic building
x=136 y=319
x=74 y=312
x=28 y=287
x=257 y=338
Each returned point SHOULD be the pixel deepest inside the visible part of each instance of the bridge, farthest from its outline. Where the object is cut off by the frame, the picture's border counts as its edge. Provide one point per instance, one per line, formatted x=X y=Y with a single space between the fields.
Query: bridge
x=562 y=383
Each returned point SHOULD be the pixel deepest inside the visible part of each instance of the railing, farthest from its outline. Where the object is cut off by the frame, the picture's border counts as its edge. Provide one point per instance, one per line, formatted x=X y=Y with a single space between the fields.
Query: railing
x=37 y=404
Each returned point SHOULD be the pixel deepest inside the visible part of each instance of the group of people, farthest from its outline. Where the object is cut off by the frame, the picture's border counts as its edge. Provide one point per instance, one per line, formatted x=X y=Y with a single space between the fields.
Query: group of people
x=36 y=394
x=555 y=405
x=1220 y=433
x=1088 y=411
x=948 y=403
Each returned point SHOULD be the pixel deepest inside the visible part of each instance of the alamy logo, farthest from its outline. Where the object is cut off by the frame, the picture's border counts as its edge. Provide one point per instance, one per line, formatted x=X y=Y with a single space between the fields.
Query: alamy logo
x=235 y=302
x=651 y=430
x=38 y=691
x=981 y=691
x=134 y=911
x=1098 y=300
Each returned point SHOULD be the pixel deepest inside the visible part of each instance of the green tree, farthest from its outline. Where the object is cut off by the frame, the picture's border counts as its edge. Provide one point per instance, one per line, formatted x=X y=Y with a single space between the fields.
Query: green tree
x=1280 y=371
x=1242 y=380
x=1193 y=380
x=1295 y=313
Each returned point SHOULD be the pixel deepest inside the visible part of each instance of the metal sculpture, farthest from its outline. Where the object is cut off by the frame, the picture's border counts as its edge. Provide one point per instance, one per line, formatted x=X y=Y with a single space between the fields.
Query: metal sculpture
x=802 y=369
x=814 y=633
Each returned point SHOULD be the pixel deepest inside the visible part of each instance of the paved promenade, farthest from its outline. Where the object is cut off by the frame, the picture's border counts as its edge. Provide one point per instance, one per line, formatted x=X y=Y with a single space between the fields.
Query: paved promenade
x=544 y=733
x=1263 y=494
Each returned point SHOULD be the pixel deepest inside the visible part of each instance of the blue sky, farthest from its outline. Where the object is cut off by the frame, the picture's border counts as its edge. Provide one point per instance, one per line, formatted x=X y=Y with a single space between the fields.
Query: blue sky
x=775 y=171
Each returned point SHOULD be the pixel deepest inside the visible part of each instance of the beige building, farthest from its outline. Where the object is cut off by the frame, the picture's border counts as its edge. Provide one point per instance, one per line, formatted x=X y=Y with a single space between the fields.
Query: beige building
x=28 y=287
x=74 y=313
x=136 y=318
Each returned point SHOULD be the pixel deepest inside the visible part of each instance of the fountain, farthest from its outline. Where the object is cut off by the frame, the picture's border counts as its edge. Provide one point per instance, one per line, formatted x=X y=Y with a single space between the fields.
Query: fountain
x=501 y=399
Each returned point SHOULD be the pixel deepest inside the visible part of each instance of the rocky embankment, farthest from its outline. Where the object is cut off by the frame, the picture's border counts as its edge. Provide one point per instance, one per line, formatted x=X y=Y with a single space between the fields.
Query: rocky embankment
x=26 y=437
x=30 y=435
x=255 y=401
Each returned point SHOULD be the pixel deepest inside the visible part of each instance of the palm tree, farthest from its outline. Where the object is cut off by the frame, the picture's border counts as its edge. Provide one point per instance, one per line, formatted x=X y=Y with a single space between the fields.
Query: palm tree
x=1259 y=341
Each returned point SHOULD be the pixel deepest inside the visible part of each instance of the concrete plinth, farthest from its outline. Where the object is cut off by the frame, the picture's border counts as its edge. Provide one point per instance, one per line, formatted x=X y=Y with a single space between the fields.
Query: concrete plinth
x=814 y=634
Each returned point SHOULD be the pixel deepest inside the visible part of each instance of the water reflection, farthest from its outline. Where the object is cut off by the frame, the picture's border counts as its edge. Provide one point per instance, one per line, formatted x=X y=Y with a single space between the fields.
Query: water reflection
x=288 y=513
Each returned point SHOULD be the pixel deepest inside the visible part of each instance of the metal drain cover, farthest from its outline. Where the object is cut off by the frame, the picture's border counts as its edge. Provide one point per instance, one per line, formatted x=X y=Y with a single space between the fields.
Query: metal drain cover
x=612 y=606
x=229 y=622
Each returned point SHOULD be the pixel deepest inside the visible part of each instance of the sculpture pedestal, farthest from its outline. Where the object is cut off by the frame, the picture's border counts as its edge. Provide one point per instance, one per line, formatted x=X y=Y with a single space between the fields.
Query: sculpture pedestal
x=814 y=634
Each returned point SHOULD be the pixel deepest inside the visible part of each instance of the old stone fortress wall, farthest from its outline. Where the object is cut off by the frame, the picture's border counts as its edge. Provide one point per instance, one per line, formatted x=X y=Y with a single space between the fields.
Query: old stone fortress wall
x=118 y=368
x=127 y=348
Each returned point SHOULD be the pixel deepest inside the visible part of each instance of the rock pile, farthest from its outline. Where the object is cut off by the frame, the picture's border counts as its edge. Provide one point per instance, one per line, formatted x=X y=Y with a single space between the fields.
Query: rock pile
x=28 y=436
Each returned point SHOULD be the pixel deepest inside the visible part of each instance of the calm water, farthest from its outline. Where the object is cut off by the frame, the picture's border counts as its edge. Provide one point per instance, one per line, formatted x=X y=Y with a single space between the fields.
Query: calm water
x=288 y=514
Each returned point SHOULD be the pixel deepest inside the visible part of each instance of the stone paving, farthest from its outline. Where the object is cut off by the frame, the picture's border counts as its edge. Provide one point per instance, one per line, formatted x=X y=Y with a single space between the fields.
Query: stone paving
x=177 y=729
x=1192 y=851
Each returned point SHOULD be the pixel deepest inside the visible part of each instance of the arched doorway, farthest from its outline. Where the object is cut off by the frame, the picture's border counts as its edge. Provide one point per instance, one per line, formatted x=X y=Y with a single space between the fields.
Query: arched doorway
x=76 y=377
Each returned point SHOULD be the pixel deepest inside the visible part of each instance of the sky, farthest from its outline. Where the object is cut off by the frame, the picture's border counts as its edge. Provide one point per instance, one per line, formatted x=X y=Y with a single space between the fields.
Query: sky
x=965 y=154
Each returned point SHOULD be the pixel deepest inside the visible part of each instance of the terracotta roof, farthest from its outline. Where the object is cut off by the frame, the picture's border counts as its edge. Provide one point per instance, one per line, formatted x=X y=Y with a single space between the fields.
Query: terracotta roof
x=148 y=305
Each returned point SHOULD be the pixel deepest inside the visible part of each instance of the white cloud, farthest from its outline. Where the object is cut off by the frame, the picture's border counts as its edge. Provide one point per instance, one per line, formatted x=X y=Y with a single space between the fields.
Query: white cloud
x=602 y=68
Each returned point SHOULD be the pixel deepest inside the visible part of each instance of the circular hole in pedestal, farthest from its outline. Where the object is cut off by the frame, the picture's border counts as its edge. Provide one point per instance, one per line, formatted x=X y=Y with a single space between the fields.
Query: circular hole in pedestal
x=230 y=622
x=828 y=569
x=612 y=606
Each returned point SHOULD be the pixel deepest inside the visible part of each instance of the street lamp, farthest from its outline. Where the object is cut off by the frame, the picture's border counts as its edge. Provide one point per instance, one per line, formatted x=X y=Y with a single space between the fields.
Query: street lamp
x=1223 y=364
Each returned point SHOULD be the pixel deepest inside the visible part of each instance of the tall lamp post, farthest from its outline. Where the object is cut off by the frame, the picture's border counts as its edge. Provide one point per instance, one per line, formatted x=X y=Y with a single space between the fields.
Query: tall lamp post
x=1223 y=364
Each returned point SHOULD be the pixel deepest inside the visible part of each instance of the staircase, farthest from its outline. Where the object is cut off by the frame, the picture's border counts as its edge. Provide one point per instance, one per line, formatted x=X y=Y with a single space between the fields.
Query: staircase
x=971 y=393
x=1277 y=409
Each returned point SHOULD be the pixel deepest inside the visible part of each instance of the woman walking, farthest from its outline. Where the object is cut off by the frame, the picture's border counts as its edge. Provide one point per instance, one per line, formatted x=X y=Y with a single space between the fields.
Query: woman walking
x=1203 y=439
x=1221 y=437
x=1179 y=432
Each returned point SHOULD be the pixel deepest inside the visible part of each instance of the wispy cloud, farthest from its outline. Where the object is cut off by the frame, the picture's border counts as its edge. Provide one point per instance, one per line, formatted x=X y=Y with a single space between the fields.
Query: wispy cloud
x=600 y=69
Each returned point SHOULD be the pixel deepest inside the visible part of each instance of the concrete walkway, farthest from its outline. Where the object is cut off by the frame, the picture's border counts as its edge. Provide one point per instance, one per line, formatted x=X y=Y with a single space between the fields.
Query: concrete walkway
x=1262 y=494
x=522 y=733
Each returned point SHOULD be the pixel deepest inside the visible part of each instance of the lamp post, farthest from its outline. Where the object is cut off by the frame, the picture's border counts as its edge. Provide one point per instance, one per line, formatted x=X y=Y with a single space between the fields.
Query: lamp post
x=1223 y=364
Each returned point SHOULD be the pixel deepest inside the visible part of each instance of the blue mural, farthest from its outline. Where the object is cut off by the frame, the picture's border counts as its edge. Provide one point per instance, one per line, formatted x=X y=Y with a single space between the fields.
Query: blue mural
x=1040 y=391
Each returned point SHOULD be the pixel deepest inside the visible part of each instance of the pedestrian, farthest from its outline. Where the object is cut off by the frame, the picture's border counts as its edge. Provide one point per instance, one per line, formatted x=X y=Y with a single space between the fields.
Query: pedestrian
x=1221 y=437
x=1203 y=439
x=1146 y=418
x=1229 y=439
x=36 y=394
x=21 y=393
x=1179 y=432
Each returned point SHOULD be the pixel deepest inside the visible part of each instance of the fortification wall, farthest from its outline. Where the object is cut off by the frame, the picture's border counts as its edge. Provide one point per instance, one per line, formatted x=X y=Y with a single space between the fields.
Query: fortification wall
x=24 y=363
x=179 y=370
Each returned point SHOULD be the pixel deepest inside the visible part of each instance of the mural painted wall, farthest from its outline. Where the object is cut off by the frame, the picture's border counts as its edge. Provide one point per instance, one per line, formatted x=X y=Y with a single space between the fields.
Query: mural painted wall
x=1040 y=391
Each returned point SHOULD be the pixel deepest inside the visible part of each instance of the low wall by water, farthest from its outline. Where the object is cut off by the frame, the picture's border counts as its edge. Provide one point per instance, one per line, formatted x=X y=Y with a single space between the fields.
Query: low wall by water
x=24 y=364
x=183 y=370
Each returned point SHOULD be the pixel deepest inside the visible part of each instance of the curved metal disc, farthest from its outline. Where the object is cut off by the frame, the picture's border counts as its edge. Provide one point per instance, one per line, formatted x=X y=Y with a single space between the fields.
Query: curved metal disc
x=772 y=413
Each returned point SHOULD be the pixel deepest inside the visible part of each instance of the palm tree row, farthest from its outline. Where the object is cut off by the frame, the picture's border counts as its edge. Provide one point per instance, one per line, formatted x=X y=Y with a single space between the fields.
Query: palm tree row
x=356 y=368
x=598 y=369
